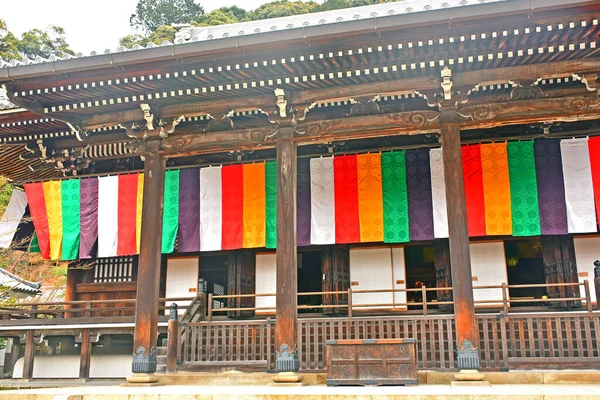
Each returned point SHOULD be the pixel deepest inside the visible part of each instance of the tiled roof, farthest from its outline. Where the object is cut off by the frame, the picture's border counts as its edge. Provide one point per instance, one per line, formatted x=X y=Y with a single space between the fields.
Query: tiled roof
x=188 y=33
x=16 y=284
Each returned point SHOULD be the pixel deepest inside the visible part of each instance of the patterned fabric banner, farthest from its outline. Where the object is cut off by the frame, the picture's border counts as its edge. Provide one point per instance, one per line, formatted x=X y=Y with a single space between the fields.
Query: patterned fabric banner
x=138 y=211
x=170 y=210
x=127 y=213
x=523 y=189
x=9 y=224
x=395 y=197
x=438 y=194
x=211 y=208
x=594 y=148
x=233 y=206
x=108 y=215
x=496 y=189
x=420 y=205
x=473 y=177
x=322 y=201
x=53 y=198
x=551 y=187
x=303 y=203
x=271 y=204
x=254 y=226
x=88 y=216
x=347 y=227
x=70 y=218
x=189 y=210
x=579 y=190
x=370 y=198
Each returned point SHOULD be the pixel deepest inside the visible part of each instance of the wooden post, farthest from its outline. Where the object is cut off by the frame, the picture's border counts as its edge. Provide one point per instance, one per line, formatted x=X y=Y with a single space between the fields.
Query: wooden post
x=85 y=355
x=286 y=329
x=146 y=310
x=29 y=356
x=597 y=283
x=71 y=290
x=443 y=272
x=467 y=333
x=172 y=340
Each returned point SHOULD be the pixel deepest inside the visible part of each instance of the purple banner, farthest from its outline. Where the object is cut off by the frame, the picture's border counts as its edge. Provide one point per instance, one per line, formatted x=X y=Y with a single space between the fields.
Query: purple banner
x=189 y=210
x=551 y=187
x=88 y=216
x=420 y=203
x=303 y=203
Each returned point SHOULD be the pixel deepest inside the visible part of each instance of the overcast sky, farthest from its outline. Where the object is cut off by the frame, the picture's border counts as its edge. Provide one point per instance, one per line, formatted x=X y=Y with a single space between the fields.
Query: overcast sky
x=89 y=24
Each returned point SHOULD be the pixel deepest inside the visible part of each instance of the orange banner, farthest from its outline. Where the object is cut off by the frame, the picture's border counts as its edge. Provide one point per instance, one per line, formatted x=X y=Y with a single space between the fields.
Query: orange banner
x=255 y=199
x=53 y=198
x=496 y=189
x=370 y=197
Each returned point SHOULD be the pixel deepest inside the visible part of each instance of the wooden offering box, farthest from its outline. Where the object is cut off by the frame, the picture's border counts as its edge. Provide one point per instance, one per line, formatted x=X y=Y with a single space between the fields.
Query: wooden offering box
x=371 y=362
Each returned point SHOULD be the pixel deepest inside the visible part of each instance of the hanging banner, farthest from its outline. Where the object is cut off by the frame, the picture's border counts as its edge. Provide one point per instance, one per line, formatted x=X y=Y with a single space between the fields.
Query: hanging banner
x=88 y=203
x=127 y=213
x=438 y=193
x=9 y=223
x=594 y=148
x=271 y=204
x=496 y=189
x=523 y=189
x=347 y=227
x=138 y=211
x=473 y=177
x=53 y=199
x=71 y=218
x=579 y=190
x=395 y=197
x=418 y=183
x=108 y=215
x=210 y=209
x=254 y=223
x=189 y=210
x=322 y=201
x=170 y=210
x=303 y=203
x=370 y=198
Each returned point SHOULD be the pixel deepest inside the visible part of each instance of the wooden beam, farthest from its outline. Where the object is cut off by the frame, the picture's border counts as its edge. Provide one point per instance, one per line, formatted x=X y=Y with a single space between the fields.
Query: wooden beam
x=287 y=258
x=467 y=79
x=29 y=356
x=85 y=355
x=146 y=311
x=467 y=333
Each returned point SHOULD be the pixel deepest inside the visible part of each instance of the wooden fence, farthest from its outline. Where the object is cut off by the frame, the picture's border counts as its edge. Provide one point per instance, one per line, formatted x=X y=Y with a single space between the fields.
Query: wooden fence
x=532 y=340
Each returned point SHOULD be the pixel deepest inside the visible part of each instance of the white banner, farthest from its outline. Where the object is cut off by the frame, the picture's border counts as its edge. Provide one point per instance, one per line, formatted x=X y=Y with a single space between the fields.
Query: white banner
x=438 y=194
x=211 y=208
x=322 y=204
x=108 y=215
x=12 y=217
x=579 y=190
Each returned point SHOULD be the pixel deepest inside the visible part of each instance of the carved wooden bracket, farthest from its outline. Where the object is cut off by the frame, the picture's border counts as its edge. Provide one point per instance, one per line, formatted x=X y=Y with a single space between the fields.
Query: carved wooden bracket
x=525 y=90
x=589 y=80
x=148 y=131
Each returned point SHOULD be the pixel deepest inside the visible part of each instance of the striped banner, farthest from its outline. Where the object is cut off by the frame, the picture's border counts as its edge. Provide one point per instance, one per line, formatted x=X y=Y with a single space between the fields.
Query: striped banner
x=524 y=188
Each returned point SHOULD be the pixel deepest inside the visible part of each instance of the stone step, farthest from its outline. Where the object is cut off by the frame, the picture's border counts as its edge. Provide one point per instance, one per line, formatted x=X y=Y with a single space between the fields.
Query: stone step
x=161 y=351
x=165 y=342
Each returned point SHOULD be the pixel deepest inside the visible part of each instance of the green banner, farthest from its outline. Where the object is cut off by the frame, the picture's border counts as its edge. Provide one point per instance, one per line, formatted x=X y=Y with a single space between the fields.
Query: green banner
x=523 y=189
x=34 y=245
x=395 y=197
x=170 y=210
x=70 y=219
x=271 y=204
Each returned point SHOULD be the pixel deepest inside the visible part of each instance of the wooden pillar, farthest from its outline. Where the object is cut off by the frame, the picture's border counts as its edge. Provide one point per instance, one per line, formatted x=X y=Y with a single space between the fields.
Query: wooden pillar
x=71 y=289
x=146 y=311
x=467 y=332
x=29 y=356
x=287 y=257
x=85 y=355
x=172 y=339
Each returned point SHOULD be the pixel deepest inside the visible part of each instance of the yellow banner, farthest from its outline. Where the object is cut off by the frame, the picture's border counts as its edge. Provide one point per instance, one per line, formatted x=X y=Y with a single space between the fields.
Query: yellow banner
x=370 y=197
x=496 y=189
x=255 y=200
x=53 y=200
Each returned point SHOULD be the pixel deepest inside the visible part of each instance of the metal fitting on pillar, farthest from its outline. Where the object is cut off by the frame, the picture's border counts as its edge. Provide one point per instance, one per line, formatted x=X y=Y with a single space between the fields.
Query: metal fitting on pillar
x=144 y=363
x=173 y=311
x=286 y=360
x=467 y=355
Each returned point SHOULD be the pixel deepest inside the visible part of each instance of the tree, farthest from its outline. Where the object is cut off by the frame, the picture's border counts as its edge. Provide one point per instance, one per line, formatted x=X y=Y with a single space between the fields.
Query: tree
x=33 y=43
x=217 y=17
x=338 y=4
x=284 y=8
x=152 y=14
x=163 y=33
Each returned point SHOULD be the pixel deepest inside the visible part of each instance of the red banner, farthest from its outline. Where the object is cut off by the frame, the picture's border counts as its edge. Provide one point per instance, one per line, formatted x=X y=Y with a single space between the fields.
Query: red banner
x=232 y=183
x=127 y=213
x=347 y=226
x=594 y=146
x=37 y=208
x=473 y=177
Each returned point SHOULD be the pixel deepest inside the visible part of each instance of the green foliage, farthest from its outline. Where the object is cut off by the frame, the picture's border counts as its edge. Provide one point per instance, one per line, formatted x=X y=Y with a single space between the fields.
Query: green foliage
x=165 y=32
x=33 y=43
x=338 y=4
x=152 y=14
x=5 y=193
x=218 y=17
x=284 y=8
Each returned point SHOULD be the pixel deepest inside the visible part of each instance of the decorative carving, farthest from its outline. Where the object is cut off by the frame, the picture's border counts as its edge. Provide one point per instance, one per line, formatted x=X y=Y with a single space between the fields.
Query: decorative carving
x=287 y=360
x=190 y=142
x=148 y=116
x=417 y=119
x=370 y=107
x=580 y=103
x=80 y=134
x=173 y=311
x=136 y=146
x=467 y=355
x=589 y=80
x=480 y=112
x=318 y=128
x=447 y=83
x=531 y=92
x=226 y=123
x=281 y=102
x=142 y=362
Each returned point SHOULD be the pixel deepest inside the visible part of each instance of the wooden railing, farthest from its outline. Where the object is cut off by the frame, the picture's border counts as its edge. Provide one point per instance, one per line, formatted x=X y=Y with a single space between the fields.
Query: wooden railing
x=528 y=340
x=425 y=305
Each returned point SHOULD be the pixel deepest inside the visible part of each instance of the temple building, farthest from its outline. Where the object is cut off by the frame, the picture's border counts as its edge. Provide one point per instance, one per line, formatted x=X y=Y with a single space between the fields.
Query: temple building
x=424 y=169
